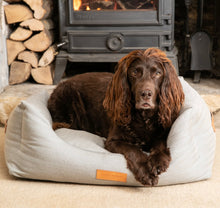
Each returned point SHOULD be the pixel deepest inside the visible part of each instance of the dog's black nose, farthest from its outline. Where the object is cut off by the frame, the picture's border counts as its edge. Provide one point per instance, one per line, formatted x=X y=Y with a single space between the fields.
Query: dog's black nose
x=146 y=94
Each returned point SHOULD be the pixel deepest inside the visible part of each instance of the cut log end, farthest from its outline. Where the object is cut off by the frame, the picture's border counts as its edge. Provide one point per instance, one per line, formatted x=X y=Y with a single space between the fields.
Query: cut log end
x=42 y=8
x=19 y=72
x=29 y=57
x=37 y=25
x=39 y=42
x=13 y=49
x=48 y=56
x=43 y=75
x=20 y=34
x=17 y=13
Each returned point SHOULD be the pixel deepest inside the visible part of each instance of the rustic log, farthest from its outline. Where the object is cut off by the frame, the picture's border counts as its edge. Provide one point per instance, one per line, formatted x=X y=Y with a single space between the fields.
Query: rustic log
x=38 y=25
x=17 y=13
x=121 y=4
x=13 y=49
x=39 y=42
x=140 y=4
x=12 y=1
x=43 y=75
x=20 y=34
x=94 y=5
x=19 y=72
x=29 y=57
x=42 y=8
x=48 y=56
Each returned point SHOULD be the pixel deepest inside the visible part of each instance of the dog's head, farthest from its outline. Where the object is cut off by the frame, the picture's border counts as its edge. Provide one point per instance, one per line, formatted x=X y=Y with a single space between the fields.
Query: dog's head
x=145 y=80
x=145 y=77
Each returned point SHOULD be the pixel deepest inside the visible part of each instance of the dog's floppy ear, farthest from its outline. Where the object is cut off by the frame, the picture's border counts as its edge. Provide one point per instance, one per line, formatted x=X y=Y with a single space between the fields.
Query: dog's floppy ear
x=118 y=96
x=171 y=95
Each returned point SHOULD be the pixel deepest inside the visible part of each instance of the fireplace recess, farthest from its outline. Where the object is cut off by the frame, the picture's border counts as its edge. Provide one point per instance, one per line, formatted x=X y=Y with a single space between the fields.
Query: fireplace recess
x=106 y=30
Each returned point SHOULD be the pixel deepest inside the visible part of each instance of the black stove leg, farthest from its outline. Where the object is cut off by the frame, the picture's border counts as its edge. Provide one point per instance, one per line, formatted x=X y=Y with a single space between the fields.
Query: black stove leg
x=60 y=67
x=197 y=75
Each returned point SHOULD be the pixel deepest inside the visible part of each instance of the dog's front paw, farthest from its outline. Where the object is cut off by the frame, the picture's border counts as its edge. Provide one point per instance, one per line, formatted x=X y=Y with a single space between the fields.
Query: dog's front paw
x=138 y=164
x=159 y=162
x=145 y=177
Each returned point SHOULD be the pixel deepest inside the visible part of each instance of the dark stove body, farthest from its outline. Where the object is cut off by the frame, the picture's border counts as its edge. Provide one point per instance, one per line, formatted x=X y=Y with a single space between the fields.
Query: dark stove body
x=108 y=35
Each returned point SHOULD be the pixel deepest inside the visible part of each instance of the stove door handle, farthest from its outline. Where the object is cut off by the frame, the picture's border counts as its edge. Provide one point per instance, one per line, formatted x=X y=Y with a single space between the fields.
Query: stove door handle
x=115 y=41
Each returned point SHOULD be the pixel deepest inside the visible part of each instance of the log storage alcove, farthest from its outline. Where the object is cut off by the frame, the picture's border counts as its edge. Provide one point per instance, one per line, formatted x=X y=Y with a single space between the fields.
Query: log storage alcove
x=30 y=46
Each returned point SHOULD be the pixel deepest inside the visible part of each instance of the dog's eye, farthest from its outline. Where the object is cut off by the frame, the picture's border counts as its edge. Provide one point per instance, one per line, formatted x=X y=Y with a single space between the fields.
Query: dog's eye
x=158 y=73
x=135 y=71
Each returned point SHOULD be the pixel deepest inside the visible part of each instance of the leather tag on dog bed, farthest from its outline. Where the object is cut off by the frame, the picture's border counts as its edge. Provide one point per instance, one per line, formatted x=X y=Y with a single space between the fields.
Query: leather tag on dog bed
x=111 y=176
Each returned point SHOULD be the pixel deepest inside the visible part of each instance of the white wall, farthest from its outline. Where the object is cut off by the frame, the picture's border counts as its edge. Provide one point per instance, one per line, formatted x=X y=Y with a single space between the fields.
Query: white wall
x=3 y=53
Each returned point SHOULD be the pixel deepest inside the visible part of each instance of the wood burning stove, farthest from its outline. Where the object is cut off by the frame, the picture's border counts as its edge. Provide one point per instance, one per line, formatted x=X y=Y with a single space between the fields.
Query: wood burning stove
x=106 y=30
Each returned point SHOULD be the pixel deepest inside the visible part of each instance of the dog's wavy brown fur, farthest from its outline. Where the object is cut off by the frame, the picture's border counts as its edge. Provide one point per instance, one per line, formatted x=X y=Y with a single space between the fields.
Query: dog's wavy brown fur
x=134 y=109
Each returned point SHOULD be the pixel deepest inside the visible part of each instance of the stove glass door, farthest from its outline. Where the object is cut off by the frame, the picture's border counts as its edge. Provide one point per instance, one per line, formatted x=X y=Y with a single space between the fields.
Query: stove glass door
x=109 y=5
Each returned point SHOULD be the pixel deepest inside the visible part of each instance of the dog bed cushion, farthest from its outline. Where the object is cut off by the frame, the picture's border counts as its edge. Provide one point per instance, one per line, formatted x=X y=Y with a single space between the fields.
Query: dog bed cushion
x=34 y=151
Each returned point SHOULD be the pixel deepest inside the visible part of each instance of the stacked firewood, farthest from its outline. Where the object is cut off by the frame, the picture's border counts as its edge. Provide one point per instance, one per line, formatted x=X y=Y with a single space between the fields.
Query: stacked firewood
x=30 y=48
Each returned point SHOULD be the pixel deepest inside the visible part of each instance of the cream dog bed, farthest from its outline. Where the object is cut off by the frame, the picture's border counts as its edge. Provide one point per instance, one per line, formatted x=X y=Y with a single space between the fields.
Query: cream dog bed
x=33 y=150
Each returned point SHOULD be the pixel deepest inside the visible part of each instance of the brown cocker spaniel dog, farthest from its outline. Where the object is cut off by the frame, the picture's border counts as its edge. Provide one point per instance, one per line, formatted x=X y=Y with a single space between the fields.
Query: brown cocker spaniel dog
x=133 y=108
